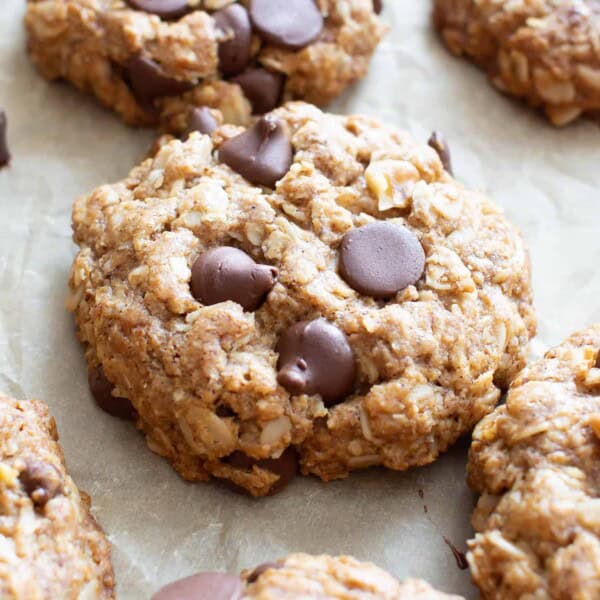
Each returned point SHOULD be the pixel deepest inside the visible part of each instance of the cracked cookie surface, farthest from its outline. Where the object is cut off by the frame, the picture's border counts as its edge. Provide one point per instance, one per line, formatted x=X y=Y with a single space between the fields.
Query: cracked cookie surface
x=316 y=369
x=154 y=69
x=544 y=51
x=535 y=462
x=303 y=576
x=51 y=546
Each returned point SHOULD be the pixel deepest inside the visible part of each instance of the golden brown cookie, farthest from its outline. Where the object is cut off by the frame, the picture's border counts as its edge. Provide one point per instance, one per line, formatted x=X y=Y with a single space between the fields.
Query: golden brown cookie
x=535 y=462
x=346 y=301
x=544 y=51
x=155 y=61
x=50 y=545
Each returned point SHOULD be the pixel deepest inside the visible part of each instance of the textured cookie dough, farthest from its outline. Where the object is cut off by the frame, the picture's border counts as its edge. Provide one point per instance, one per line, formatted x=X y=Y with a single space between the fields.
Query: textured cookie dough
x=544 y=51
x=50 y=546
x=429 y=361
x=104 y=47
x=536 y=463
x=300 y=576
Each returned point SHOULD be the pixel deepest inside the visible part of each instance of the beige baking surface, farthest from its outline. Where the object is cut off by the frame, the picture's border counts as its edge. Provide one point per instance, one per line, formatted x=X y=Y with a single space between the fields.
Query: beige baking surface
x=162 y=528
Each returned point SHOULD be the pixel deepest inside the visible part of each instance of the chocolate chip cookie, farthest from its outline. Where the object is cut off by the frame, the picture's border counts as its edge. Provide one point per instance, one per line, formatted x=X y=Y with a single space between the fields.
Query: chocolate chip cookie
x=156 y=61
x=544 y=51
x=300 y=576
x=50 y=545
x=535 y=462
x=312 y=289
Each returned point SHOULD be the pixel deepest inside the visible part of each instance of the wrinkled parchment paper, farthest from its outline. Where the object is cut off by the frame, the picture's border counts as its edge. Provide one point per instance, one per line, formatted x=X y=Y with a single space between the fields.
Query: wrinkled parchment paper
x=63 y=145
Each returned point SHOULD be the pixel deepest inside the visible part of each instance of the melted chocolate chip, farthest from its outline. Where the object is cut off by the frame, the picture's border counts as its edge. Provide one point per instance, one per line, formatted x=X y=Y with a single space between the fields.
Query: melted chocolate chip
x=227 y=273
x=148 y=81
x=316 y=358
x=438 y=142
x=260 y=570
x=286 y=466
x=166 y=9
x=102 y=389
x=201 y=120
x=4 y=152
x=234 y=49
x=292 y=24
x=377 y=6
x=203 y=586
x=380 y=259
x=262 y=88
x=42 y=482
x=262 y=154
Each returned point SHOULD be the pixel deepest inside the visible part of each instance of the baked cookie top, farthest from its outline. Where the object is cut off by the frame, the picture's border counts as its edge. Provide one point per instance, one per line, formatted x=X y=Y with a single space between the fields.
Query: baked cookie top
x=303 y=576
x=347 y=298
x=545 y=51
x=51 y=547
x=154 y=61
x=535 y=462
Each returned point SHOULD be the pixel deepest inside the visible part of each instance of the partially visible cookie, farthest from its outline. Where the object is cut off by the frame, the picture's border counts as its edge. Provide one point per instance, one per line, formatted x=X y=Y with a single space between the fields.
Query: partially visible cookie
x=50 y=545
x=544 y=51
x=303 y=577
x=536 y=462
x=155 y=61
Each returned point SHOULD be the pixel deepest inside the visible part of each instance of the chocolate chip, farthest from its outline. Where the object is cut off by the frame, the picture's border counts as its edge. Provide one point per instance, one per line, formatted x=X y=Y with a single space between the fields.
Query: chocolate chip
x=380 y=259
x=598 y=360
x=42 y=481
x=316 y=358
x=226 y=273
x=234 y=49
x=438 y=142
x=203 y=586
x=262 y=154
x=166 y=9
x=292 y=24
x=377 y=6
x=102 y=389
x=201 y=120
x=286 y=466
x=148 y=81
x=260 y=570
x=262 y=88
x=4 y=152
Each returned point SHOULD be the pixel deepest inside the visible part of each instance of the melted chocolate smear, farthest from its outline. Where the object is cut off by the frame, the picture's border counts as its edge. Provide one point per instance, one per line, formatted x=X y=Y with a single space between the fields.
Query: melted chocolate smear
x=461 y=559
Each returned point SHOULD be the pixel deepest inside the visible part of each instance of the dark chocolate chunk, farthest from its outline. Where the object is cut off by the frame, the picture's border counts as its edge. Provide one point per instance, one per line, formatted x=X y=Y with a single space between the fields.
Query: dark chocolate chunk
x=262 y=88
x=316 y=358
x=262 y=154
x=286 y=466
x=166 y=9
x=148 y=81
x=226 y=273
x=439 y=143
x=4 y=152
x=203 y=586
x=260 y=570
x=380 y=259
x=42 y=481
x=292 y=24
x=234 y=49
x=201 y=120
x=377 y=6
x=102 y=389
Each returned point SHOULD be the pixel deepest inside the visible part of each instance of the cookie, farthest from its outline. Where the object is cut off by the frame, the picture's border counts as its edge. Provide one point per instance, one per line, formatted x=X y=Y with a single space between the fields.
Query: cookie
x=535 y=462
x=155 y=61
x=300 y=576
x=314 y=288
x=544 y=51
x=51 y=546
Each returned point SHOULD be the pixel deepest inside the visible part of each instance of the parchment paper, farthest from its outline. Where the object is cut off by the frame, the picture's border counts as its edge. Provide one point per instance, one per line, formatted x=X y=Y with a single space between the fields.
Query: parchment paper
x=64 y=145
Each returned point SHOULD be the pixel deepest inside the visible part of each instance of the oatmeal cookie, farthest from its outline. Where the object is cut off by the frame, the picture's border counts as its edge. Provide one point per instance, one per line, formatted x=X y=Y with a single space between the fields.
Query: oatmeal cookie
x=535 y=462
x=314 y=286
x=544 y=51
x=156 y=61
x=301 y=576
x=50 y=546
